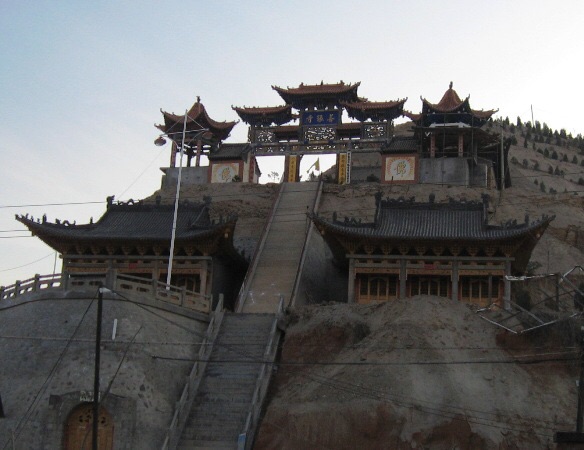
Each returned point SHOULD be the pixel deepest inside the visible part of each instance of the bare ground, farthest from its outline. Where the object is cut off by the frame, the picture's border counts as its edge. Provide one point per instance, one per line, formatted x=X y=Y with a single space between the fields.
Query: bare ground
x=416 y=373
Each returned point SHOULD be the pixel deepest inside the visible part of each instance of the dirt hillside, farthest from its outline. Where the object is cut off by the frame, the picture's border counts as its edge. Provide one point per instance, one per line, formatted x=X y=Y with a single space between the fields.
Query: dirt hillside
x=423 y=372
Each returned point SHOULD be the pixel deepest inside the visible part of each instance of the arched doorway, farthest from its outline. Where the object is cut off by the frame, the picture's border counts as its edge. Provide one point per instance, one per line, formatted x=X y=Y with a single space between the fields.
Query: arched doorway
x=79 y=429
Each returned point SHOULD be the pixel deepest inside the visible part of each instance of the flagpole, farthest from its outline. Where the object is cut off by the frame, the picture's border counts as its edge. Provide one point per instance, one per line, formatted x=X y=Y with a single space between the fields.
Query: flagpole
x=176 y=198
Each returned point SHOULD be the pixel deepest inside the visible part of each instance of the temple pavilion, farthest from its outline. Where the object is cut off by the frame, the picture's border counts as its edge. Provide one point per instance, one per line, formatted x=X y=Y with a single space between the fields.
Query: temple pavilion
x=134 y=238
x=451 y=144
x=199 y=135
x=444 y=249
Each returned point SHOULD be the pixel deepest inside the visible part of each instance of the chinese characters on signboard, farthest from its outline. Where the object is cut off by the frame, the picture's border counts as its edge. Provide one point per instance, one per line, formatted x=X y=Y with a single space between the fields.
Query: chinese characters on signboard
x=400 y=168
x=292 y=168
x=342 y=168
x=224 y=173
x=324 y=117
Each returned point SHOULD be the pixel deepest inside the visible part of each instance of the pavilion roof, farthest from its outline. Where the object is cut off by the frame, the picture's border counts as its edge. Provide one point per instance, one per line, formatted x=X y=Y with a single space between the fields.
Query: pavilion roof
x=319 y=95
x=451 y=223
x=132 y=223
x=376 y=111
x=230 y=152
x=451 y=104
x=197 y=120
x=265 y=116
x=402 y=144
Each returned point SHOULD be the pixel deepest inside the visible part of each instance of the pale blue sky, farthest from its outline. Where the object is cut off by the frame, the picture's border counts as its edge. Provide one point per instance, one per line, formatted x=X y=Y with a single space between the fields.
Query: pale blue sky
x=82 y=82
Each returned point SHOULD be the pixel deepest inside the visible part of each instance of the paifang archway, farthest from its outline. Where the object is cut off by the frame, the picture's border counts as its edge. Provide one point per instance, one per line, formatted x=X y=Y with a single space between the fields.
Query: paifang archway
x=78 y=433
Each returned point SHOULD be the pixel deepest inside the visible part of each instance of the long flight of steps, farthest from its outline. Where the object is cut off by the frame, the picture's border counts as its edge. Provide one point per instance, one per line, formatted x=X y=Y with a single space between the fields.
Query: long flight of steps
x=279 y=259
x=222 y=403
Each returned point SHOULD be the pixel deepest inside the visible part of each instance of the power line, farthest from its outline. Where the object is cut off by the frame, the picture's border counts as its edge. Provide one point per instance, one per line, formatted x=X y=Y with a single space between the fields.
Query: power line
x=28 y=264
x=22 y=422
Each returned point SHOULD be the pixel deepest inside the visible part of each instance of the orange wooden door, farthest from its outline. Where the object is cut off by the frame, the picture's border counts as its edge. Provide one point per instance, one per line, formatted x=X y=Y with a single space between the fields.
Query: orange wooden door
x=79 y=429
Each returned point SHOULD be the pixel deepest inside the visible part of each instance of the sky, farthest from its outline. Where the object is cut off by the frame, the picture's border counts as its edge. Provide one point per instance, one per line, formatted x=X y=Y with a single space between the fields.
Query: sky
x=82 y=83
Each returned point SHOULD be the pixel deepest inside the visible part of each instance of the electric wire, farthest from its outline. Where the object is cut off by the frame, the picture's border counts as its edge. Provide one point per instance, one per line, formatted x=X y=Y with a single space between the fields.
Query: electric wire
x=36 y=400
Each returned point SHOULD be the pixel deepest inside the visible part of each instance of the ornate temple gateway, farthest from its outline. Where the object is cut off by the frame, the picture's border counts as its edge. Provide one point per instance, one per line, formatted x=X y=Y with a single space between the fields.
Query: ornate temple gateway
x=448 y=145
x=448 y=250
x=320 y=129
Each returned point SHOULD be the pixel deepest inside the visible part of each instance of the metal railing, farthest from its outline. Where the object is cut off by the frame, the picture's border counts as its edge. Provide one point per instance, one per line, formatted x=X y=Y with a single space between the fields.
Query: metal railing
x=246 y=436
x=184 y=404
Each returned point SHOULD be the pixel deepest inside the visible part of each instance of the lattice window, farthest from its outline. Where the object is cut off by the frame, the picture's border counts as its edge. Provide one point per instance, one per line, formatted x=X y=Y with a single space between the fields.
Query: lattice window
x=265 y=136
x=320 y=134
x=374 y=131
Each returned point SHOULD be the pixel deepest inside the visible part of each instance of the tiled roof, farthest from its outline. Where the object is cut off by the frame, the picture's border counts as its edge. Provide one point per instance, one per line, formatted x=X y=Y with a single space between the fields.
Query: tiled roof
x=197 y=119
x=402 y=144
x=319 y=95
x=322 y=88
x=261 y=110
x=230 y=151
x=363 y=110
x=430 y=221
x=452 y=103
x=138 y=222
x=265 y=115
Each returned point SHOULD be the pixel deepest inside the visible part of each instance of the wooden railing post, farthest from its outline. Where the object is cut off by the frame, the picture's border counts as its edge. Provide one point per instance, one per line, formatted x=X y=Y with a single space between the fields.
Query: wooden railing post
x=65 y=280
x=2 y=288
x=154 y=287
x=17 y=288
x=110 y=278
x=183 y=295
x=35 y=283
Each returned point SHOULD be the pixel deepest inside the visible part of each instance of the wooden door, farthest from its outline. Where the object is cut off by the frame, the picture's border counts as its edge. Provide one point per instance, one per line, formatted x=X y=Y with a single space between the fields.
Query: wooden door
x=79 y=429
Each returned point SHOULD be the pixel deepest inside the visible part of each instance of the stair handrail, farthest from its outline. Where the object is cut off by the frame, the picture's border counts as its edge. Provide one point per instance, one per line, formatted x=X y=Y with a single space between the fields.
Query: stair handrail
x=185 y=402
x=244 y=290
x=247 y=434
x=305 y=246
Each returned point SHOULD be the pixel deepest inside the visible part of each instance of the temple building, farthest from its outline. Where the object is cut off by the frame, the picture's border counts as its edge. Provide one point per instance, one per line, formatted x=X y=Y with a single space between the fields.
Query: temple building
x=452 y=147
x=199 y=135
x=449 y=250
x=134 y=239
x=448 y=144
x=320 y=129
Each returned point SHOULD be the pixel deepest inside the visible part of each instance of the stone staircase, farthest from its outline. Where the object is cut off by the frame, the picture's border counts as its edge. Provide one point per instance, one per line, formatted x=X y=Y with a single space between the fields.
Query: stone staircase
x=226 y=394
x=279 y=254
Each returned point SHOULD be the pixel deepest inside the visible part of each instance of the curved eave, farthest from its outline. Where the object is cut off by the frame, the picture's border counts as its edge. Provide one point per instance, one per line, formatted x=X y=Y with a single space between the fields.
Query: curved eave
x=197 y=119
x=266 y=116
x=61 y=237
x=363 y=111
x=308 y=94
x=523 y=239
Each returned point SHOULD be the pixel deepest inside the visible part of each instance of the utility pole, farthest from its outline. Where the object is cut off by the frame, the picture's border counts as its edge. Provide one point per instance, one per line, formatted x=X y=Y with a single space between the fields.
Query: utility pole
x=580 y=385
x=502 y=164
x=574 y=437
x=96 y=372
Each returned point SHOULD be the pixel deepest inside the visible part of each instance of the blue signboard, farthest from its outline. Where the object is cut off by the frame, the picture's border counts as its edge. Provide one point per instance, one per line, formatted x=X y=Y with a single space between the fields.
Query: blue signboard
x=325 y=117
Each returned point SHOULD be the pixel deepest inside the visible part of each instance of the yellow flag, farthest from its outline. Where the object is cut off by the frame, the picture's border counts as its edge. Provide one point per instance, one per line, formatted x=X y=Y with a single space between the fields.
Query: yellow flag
x=317 y=164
